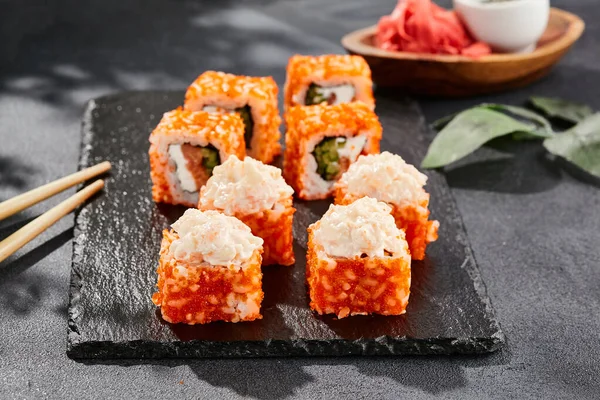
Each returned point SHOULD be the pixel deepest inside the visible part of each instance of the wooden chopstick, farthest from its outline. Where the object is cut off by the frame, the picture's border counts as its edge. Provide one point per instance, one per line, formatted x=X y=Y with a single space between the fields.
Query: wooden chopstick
x=24 y=235
x=27 y=199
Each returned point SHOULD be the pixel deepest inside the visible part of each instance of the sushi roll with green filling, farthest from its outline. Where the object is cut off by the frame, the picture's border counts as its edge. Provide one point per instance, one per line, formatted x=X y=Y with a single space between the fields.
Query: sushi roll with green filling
x=185 y=148
x=323 y=141
x=246 y=114
x=330 y=165
x=254 y=99
x=330 y=79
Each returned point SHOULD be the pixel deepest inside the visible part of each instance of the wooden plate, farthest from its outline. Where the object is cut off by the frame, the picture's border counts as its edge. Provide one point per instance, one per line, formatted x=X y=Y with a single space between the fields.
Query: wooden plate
x=454 y=76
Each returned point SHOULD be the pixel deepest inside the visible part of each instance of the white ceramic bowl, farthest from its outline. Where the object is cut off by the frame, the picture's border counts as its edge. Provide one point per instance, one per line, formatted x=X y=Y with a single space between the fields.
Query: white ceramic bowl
x=511 y=26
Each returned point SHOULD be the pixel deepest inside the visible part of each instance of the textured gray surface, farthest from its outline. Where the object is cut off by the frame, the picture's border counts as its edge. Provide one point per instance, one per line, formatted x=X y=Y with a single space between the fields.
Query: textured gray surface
x=532 y=225
x=117 y=241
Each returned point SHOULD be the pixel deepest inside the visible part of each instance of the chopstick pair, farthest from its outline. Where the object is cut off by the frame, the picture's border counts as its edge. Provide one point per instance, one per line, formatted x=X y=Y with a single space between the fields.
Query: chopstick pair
x=18 y=203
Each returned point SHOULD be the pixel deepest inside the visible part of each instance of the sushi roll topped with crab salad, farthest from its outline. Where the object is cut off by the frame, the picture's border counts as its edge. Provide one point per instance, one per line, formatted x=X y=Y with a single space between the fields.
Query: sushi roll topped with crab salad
x=258 y=195
x=245 y=186
x=388 y=178
x=358 y=261
x=209 y=269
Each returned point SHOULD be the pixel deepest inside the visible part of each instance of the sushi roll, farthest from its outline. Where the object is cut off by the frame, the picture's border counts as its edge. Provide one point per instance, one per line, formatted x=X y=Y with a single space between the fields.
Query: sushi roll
x=388 y=178
x=321 y=143
x=358 y=261
x=257 y=195
x=185 y=147
x=253 y=98
x=209 y=270
x=333 y=79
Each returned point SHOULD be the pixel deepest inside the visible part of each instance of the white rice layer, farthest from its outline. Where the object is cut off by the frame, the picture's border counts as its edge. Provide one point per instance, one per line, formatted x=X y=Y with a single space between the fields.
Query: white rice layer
x=164 y=143
x=361 y=88
x=185 y=177
x=314 y=184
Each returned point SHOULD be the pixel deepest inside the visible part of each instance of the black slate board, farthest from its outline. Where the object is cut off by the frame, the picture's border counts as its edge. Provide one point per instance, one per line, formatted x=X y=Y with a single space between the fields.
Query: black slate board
x=117 y=238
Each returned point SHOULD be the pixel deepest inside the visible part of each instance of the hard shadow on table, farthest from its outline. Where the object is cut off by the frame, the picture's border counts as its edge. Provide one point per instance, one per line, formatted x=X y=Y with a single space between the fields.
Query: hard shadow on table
x=568 y=80
x=266 y=378
x=14 y=173
x=276 y=378
x=417 y=372
x=22 y=294
x=285 y=285
x=272 y=379
x=522 y=168
x=14 y=266
x=169 y=212
x=13 y=224
x=431 y=374
x=574 y=171
x=55 y=57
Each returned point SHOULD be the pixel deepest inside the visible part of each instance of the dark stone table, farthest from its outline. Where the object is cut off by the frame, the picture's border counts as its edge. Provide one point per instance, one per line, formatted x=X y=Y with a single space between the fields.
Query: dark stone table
x=533 y=224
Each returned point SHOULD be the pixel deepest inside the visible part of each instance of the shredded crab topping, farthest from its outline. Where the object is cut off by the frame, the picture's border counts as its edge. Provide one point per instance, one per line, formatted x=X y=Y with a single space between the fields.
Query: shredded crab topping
x=386 y=177
x=364 y=227
x=247 y=186
x=213 y=238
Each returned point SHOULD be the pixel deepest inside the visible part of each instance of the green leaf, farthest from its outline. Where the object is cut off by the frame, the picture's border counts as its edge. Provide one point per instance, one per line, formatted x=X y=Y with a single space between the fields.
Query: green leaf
x=563 y=109
x=467 y=132
x=544 y=129
x=579 y=145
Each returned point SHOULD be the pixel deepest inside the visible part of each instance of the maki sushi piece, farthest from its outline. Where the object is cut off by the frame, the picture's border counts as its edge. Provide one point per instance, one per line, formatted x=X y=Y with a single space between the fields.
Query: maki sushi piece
x=330 y=79
x=323 y=141
x=257 y=195
x=358 y=261
x=185 y=148
x=209 y=270
x=253 y=98
x=388 y=178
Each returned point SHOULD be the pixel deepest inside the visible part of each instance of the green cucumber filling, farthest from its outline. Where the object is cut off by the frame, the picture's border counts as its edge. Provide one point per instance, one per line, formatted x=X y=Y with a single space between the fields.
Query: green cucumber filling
x=246 y=115
x=327 y=156
x=210 y=158
x=337 y=94
x=314 y=95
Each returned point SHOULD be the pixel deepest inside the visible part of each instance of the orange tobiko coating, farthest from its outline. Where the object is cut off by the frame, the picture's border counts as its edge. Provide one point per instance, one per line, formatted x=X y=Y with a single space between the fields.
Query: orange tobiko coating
x=199 y=294
x=355 y=286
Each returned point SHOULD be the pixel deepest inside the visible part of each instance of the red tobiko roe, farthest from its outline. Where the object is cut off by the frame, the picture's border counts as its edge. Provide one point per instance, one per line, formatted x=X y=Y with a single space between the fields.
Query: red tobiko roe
x=420 y=26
